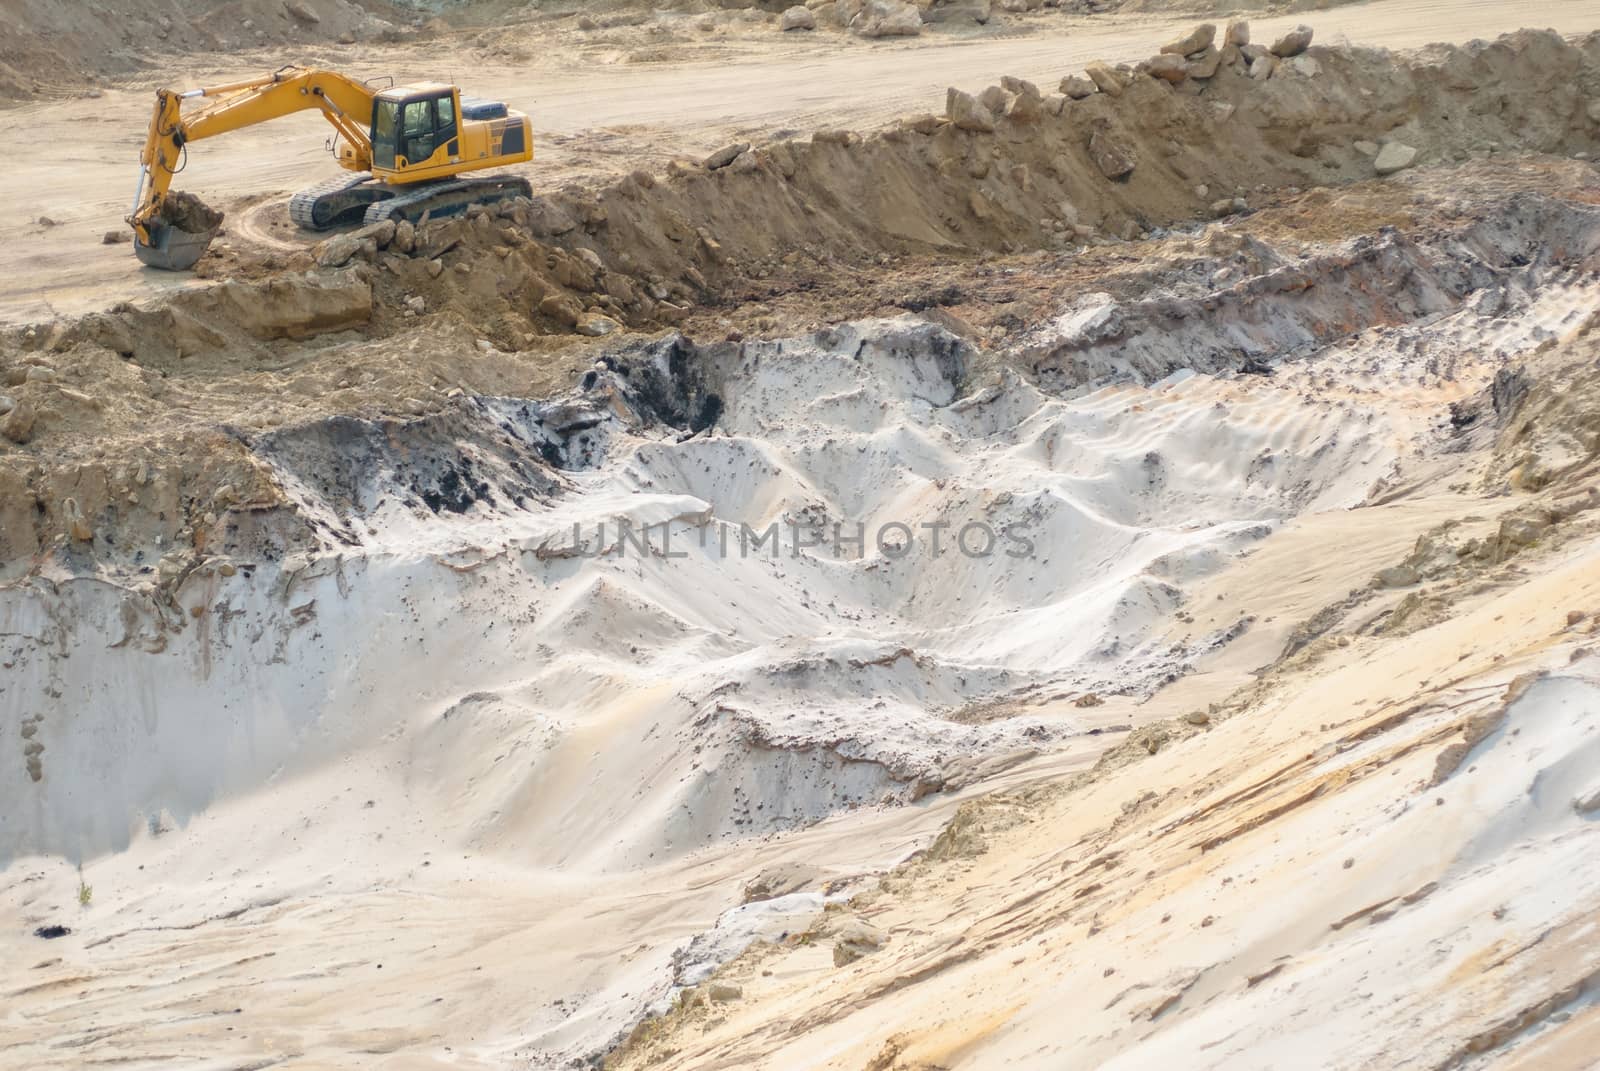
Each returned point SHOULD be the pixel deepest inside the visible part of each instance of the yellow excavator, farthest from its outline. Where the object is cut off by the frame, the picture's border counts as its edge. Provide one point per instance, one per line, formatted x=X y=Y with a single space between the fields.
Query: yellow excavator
x=406 y=144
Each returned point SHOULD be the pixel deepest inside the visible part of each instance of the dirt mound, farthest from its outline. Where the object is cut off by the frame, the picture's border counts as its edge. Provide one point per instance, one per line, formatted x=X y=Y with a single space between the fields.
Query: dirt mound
x=49 y=46
x=1009 y=169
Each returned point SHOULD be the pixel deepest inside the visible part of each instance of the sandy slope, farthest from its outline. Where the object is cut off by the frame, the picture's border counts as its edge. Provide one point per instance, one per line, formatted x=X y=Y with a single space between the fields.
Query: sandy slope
x=595 y=115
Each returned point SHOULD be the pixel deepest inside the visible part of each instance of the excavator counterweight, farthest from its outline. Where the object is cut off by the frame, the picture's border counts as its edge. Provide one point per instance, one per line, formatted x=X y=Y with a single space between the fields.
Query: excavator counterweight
x=408 y=147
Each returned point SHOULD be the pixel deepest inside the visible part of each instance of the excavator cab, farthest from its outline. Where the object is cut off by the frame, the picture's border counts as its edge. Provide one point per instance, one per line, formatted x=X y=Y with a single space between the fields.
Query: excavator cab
x=409 y=132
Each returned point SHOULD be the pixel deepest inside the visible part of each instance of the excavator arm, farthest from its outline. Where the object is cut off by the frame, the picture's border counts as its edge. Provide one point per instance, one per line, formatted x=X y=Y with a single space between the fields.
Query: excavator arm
x=344 y=102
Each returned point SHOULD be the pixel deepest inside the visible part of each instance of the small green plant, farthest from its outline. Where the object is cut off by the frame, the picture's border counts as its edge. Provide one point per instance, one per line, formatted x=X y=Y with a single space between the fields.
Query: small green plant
x=85 y=890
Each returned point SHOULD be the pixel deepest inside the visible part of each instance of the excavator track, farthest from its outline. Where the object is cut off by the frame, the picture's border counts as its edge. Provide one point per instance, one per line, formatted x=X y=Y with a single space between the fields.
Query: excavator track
x=437 y=199
x=339 y=200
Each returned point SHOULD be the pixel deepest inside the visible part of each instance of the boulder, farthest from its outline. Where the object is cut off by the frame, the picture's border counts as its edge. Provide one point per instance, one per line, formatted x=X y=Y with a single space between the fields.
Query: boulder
x=1194 y=41
x=798 y=17
x=1261 y=67
x=18 y=424
x=1394 y=156
x=1077 y=88
x=1237 y=34
x=595 y=324
x=966 y=113
x=1019 y=86
x=888 y=18
x=300 y=12
x=978 y=11
x=1112 y=157
x=1292 y=43
x=1108 y=78
x=339 y=250
x=725 y=155
x=1205 y=65
x=1168 y=66
x=1025 y=107
x=995 y=98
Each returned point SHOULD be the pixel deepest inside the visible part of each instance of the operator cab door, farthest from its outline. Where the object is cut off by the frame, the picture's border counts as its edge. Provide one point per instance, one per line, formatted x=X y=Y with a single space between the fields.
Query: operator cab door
x=406 y=134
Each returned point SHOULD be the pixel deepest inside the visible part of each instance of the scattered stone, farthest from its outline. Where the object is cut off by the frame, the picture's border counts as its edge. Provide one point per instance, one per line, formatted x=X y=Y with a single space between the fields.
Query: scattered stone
x=1078 y=88
x=798 y=17
x=1394 y=156
x=1238 y=33
x=416 y=304
x=46 y=221
x=721 y=992
x=978 y=11
x=114 y=237
x=1367 y=148
x=1112 y=158
x=405 y=236
x=18 y=424
x=725 y=155
x=435 y=268
x=1228 y=206
x=347 y=38
x=995 y=98
x=1087 y=699
x=1025 y=105
x=966 y=113
x=1587 y=804
x=1195 y=40
x=7 y=403
x=1574 y=617
x=595 y=324
x=1261 y=67
x=1197 y=717
x=1292 y=43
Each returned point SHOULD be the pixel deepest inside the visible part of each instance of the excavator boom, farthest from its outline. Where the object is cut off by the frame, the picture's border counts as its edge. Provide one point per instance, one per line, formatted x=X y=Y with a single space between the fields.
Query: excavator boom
x=427 y=137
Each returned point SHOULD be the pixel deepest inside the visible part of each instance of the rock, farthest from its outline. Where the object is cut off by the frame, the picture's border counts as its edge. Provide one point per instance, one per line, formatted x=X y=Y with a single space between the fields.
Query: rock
x=1197 y=717
x=721 y=992
x=346 y=38
x=744 y=163
x=725 y=155
x=1367 y=148
x=1088 y=699
x=18 y=424
x=587 y=23
x=1228 y=206
x=1078 y=88
x=1394 y=156
x=1167 y=67
x=925 y=125
x=797 y=18
x=1574 y=617
x=1206 y=64
x=978 y=11
x=416 y=304
x=337 y=251
x=1292 y=43
x=7 y=403
x=1025 y=104
x=1112 y=158
x=1108 y=78
x=77 y=525
x=114 y=237
x=966 y=113
x=1304 y=65
x=854 y=940
x=1237 y=34
x=435 y=268
x=381 y=233
x=1587 y=804
x=1398 y=576
x=595 y=324
x=1194 y=41
x=1261 y=67
x=888 y=18
x=405 y=237
x=995 y=98
x=1055 y=103
x=298 y=10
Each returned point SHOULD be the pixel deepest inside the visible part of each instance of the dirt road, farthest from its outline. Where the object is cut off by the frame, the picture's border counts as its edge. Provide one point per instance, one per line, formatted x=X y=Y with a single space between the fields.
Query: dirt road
x=595 y=114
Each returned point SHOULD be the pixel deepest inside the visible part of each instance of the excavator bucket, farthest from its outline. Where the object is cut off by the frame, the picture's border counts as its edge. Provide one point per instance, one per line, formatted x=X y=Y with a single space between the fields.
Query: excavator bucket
x=179 y=233
x=173 y=249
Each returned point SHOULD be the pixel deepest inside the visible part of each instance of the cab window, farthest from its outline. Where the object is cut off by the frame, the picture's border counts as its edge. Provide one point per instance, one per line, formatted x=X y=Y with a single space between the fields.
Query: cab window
x=418 y=125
